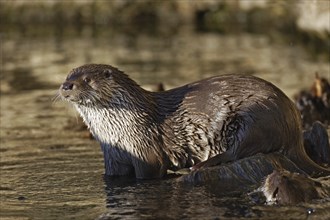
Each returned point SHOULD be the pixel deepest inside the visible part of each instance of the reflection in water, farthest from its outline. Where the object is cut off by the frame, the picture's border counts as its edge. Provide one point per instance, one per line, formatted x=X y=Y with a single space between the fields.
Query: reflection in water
x=50 y=171
x=169 y=199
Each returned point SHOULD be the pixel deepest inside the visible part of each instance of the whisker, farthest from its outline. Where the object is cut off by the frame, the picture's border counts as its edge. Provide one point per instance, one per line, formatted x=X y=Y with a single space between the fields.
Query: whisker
x=56 y=98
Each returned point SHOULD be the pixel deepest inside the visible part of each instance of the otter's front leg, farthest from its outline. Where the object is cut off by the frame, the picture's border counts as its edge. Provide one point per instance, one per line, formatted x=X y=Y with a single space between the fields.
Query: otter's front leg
x=114 y=168
x=150 y=167
x=225 y=157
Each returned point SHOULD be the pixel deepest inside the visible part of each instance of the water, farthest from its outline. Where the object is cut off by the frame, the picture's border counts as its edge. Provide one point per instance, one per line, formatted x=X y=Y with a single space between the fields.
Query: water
x=50 y=169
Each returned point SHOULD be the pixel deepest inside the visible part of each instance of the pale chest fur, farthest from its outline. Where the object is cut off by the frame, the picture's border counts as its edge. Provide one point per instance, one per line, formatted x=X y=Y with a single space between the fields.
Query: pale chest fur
x=121 y=130
x=110 y=126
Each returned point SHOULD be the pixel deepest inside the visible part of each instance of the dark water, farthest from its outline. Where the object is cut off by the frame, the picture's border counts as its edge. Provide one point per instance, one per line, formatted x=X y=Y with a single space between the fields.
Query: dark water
x=52 y=170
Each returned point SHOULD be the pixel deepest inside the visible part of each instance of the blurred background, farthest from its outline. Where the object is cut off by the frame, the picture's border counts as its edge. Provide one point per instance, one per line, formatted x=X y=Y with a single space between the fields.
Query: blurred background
x=50 y=169
x=169 y=41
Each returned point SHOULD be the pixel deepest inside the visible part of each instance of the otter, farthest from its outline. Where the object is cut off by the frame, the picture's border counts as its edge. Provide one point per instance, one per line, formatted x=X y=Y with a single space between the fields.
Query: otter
x=224 y=118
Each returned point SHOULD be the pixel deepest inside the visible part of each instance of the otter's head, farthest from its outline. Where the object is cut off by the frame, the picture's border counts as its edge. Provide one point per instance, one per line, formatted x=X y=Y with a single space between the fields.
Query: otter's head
x=96 y=85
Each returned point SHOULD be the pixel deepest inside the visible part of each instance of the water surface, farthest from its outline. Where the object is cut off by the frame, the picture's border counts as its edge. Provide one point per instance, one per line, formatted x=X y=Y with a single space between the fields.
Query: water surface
x=50 y=169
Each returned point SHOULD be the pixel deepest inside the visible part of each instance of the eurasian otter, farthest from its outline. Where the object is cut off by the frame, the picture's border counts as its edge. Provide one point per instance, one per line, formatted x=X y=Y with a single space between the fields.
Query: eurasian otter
x=147 y=133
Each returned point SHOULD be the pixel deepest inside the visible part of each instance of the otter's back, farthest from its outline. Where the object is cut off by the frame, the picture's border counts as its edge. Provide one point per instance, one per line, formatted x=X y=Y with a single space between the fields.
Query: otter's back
x=241 y=114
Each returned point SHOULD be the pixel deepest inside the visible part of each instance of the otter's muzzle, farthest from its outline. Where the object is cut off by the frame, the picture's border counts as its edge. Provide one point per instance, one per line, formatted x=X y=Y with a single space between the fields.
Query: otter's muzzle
x=67 y=86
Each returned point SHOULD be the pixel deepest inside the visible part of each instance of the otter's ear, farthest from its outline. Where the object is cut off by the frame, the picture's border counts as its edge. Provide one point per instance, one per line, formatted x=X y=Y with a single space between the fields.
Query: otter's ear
x=107 y=73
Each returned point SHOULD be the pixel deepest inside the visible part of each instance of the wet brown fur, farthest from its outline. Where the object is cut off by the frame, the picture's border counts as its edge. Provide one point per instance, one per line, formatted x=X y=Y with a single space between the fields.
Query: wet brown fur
x=224 y=118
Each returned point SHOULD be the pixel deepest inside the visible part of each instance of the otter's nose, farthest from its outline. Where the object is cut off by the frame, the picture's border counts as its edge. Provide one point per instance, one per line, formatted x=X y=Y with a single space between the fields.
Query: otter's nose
x=67 y=86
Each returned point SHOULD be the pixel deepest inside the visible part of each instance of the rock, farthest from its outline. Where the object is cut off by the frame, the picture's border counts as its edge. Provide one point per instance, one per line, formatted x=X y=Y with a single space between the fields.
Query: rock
x=316 y=143
x=314 y=16
x=314 y=104
x=285 y=188
x=241 y=174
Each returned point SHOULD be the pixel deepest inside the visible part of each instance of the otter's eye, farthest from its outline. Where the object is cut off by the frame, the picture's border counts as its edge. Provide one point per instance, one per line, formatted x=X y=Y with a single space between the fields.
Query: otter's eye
x=107 y=73
x=87 y=80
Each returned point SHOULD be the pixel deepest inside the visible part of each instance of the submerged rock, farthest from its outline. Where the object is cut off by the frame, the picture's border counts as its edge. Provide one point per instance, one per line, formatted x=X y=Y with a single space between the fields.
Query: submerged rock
x=285 y=188
x=243 y=173
x=272 y=179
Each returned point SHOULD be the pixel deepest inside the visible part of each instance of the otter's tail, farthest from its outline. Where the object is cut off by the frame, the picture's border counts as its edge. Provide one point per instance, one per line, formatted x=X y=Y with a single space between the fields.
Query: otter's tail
x=307 y=165
x=303 y=161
